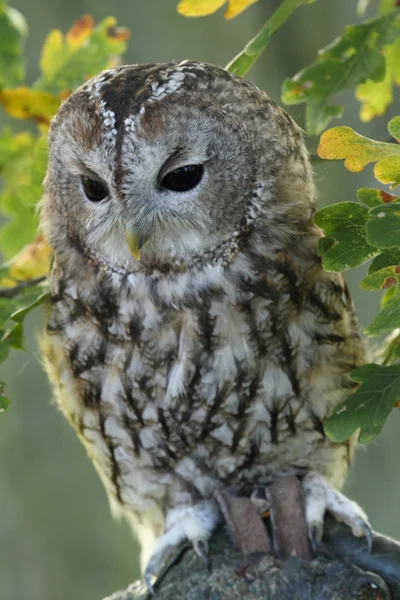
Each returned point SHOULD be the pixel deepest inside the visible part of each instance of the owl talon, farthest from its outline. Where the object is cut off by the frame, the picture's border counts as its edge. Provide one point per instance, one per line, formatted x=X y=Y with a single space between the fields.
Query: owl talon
x=200 y=546
x=368 y=534
x=160 y=563
x=184 y=525
x=321 y=496
x=148 y=576
x=316 y=531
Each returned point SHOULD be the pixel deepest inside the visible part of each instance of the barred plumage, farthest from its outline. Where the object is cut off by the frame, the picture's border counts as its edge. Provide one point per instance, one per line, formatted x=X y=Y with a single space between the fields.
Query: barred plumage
x=212 y=358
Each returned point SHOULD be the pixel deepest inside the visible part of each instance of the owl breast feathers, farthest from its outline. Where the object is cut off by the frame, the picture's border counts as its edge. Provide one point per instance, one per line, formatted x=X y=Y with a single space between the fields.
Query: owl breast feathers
x=194 y=341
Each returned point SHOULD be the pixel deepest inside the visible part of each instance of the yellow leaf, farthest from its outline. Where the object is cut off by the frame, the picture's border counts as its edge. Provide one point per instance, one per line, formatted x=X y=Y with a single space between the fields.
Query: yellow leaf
x=33 y=261
x=201 y=8
x=376 y=96
x=6 y=282
x=235 y=7
x=80 y=31
x=388 y=171
x=358 y=151
x=26 y=103
x=52 y=47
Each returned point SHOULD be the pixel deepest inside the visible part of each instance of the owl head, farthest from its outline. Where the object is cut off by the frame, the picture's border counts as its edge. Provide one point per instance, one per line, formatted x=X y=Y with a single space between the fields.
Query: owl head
x=171 y=164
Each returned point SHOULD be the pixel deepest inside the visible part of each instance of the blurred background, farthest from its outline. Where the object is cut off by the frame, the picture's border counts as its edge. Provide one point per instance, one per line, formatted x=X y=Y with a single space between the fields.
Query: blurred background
x=57 y=538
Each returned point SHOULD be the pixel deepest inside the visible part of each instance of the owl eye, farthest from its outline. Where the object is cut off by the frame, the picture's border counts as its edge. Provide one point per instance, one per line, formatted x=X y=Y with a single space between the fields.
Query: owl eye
x=95 y=190
x=183 y=179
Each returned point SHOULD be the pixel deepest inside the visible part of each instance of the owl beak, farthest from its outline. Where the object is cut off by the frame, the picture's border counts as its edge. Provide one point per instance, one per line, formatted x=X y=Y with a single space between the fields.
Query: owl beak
x=133 y=244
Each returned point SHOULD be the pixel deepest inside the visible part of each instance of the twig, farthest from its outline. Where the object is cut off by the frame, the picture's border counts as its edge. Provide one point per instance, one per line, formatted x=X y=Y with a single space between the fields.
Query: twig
x=245 y=59
x=10 y=292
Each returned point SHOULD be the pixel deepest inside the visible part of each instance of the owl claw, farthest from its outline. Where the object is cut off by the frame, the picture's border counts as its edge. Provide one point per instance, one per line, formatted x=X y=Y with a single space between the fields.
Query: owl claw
x=148 y=576
x=316 y=531
x=160 y=563
x=200 y=546
x=368 y=534
x=321 y=496
x=191 y=524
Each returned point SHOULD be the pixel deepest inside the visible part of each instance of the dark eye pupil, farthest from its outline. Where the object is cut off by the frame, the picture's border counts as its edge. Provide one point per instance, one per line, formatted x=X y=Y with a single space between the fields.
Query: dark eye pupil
x=183 y=179
x=94 y=190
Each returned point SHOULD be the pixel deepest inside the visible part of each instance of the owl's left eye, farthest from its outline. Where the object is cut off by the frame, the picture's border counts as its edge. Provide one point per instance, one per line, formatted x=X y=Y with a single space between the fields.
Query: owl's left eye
x=183 y=179
x=95 y=190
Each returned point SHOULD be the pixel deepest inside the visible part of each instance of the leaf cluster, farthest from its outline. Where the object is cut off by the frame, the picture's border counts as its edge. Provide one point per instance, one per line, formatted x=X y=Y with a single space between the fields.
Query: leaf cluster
x=355 y=233
x=66 y=62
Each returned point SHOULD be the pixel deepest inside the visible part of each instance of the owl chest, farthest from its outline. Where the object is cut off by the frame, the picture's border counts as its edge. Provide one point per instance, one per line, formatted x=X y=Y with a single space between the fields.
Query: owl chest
x=158 y=358
x=219 y=370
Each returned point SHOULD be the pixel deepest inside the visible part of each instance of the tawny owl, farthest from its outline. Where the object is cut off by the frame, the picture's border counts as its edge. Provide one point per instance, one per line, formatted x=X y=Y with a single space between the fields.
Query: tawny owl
x=194 y=341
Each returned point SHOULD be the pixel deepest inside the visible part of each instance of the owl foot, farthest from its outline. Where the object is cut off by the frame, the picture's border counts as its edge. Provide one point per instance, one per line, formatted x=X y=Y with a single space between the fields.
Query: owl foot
x=200 y=546
x=193 y=524
x=321 y=496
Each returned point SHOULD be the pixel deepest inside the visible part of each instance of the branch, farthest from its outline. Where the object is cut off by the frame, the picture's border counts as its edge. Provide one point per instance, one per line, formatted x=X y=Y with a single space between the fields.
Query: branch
x=245 y=59
x=10 y=292
x=343 y=570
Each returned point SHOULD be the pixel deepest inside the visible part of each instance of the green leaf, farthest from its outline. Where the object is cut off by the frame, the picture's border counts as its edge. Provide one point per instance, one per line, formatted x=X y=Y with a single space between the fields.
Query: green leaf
x=368 y=408
x=383 y=227
x=4 y=349
x=394 y=128
x=4 y=401
x=23 y=167
x=344 y=224
x=389 y=317
x=13 y=328
x=386 y=258
x=12 y=148
x=14 y=335
x=386 y=6
x=27 y=297
x=319 y=114
x=348 y=61
x=325 y=244
x=13 y=29
x=370 y=197
x=388 y=295
x=376 y=96
x=13 y=309
x=382 y=279
x=245 y=59
x=67 y=61
x=19 y=315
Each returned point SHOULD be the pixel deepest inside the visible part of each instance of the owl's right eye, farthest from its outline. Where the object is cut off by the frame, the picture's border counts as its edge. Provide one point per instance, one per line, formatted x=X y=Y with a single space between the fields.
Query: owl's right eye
x=95 y=190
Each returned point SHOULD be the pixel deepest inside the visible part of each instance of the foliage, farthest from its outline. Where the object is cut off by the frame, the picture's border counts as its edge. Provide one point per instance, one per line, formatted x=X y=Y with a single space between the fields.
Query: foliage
x=355 y=232
x=66 y=61
x=354 y=58
x=365 y=58
x=358 y=151
x=245 y=59
x=367 y=409
x=13 y=30
x=201 y=8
